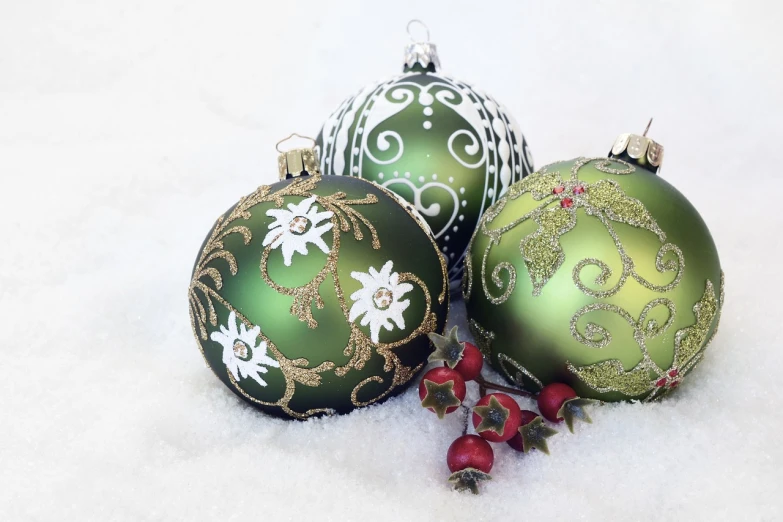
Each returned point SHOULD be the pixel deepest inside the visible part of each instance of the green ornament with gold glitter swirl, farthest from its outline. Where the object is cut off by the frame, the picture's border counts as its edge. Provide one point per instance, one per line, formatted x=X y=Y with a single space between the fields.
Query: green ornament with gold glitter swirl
x=596 y=273
x=315 y=295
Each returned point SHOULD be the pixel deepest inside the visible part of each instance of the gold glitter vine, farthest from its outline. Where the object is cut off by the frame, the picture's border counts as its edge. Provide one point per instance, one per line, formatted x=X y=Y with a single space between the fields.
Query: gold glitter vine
x=294 y=370
x=556 y=216
x=647 y=377
x=213 y=249
x=361 y=349
x=505 y=360
x=419 y=220
x=344 y=219
x=483 y=337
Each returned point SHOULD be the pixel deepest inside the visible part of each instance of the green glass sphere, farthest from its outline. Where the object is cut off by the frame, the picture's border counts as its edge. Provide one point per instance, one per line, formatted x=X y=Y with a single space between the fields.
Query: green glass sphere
x=443 y=145
x=315 y=295
x=596 y=273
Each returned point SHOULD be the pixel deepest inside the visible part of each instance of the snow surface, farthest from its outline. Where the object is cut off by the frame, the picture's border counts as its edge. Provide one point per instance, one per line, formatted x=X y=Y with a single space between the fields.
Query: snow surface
x=127 y=127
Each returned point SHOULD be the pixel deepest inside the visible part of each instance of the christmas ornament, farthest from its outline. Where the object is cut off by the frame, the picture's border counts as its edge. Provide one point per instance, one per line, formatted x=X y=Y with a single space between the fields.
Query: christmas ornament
x=316 y=294
x=442 y=390
x=532 y=433
x=595 y=273
x=470 y=460
x=463 y=357
x=496 y=417
x=445 y=146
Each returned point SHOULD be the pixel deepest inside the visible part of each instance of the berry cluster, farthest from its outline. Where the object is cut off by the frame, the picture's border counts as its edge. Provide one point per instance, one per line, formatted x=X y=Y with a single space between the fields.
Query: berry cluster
x=496 y=416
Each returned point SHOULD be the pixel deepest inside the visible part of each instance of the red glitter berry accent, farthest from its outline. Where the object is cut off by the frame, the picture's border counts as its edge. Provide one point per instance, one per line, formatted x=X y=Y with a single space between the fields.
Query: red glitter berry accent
x=673 y=373
x=579 y=189
x=567 y=203
x=558 y=189
x=674 y=384
x=661 y=382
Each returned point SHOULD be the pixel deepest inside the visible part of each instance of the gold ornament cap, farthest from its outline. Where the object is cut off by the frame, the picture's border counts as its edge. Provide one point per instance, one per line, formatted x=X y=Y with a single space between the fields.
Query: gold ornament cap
x=423 y=53
x=638 y=150
x=297 y=162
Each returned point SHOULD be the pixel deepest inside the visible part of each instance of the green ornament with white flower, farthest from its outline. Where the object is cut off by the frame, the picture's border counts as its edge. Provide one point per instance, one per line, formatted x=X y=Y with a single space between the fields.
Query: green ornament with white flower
x=315 y=295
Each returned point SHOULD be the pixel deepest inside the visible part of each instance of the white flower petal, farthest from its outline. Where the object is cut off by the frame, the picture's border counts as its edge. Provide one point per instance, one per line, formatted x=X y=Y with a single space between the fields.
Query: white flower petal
x=358 y=308
x=363 y=278
x=386 y=270
x=232 y=324
x=272 y=235
x=402 y=289
x=233 y=368
x=375 y=329
x=281 y=216
x=288 y=253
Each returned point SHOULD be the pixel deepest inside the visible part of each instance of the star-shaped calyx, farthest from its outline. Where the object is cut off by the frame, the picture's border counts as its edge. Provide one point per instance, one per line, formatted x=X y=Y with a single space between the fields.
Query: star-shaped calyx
x=440 y=397
x=493 y=416
x=448 y=348
x=534 y=435
x=468 y=478
x=574 y=409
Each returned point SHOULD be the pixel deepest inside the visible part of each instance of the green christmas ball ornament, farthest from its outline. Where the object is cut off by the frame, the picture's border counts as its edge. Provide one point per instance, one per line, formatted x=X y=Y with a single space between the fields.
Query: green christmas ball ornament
x=596 y=273
x=445 y=146
x=315 y=295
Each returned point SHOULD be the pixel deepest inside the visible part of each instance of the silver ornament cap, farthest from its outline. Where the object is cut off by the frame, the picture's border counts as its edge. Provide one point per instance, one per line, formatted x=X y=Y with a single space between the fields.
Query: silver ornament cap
x=639 y=150
x=296 y=162
x=423 y=53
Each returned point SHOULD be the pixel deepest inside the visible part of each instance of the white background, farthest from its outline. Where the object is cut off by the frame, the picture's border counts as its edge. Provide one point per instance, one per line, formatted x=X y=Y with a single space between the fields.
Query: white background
x=127 y=127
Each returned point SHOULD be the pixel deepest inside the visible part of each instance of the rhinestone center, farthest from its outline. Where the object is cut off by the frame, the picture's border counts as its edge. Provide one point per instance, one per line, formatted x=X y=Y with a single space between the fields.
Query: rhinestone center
x=383 y=298
x=241 y=350
x=299 y=225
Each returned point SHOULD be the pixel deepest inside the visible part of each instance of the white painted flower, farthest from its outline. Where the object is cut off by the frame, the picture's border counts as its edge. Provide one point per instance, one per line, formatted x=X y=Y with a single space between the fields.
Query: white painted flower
x=379 y=299
x=240 y=354
x=296 y=227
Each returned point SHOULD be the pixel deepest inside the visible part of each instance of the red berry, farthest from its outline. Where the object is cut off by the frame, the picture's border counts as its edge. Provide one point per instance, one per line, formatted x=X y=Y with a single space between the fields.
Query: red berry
x=470 y=451
x=516 y=441
x=442 y=390
x=471 y=363
x=497 y=417
x=551 y=399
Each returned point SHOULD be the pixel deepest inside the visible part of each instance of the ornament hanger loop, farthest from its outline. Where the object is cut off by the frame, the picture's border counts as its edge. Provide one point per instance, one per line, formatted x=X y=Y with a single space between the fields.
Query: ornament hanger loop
x=292 y=135
x=416 y=21
x=647 y=128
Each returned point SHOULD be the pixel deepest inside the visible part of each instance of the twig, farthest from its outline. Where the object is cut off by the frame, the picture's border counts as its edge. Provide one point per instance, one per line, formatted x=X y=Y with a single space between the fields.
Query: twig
x=484 y=385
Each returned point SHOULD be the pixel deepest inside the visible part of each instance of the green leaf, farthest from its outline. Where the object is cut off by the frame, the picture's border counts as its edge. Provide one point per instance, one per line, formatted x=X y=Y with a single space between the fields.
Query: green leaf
x=607 y=197
x=541 y=250
x=610 y=376
x=689 y=341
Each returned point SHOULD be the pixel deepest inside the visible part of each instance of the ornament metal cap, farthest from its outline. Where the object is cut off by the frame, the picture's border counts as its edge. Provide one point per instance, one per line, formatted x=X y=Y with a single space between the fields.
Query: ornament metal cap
x=297 y=162
x=425 y=54
x=639 y=150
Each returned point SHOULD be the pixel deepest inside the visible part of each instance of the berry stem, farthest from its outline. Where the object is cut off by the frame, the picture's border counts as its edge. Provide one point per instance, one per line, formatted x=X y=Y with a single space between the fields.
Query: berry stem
x=465 y=423
x=484 y=385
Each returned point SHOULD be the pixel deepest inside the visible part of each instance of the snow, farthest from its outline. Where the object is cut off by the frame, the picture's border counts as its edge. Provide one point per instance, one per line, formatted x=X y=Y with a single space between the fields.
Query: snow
x=126 y=128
